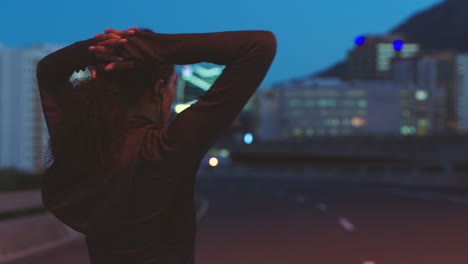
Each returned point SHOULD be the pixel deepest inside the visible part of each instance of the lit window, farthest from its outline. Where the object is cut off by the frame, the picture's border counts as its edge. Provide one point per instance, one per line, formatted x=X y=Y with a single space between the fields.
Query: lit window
x=332 y=122
x=297 y=132
x=423 y=122
x=224 y=153
x=421 y=95
x=408 y=130
x=358 y=121
x=362 y=103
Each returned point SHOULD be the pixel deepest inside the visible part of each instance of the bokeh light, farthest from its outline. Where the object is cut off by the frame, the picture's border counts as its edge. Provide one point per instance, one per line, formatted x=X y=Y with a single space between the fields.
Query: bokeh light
x=213 y=162
x=248 y=138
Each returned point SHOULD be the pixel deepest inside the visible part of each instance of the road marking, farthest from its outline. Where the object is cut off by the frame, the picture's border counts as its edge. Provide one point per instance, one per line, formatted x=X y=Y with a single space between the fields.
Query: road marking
x=346 y=224
x=300 y=199
x=322 y=207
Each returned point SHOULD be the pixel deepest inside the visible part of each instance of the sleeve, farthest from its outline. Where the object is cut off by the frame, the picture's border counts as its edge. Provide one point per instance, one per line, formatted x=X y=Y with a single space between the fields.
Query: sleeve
x=53 y=73
x=247 y=55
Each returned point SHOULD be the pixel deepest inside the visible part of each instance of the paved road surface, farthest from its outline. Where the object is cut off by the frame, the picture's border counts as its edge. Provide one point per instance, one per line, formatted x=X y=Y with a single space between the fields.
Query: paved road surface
x=264 y=222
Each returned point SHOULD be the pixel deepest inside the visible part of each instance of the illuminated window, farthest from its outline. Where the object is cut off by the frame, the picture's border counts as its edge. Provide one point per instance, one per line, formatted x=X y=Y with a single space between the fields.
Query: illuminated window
x=332 y=122
x=385 y=52
x=358 y=121
x=362 y=103
x=224 y=153
x=356 y=93
x=327 y=103
x=421 y=95
x=408 y=130
x=297 y=132
x=409 y=50
x=423 y=123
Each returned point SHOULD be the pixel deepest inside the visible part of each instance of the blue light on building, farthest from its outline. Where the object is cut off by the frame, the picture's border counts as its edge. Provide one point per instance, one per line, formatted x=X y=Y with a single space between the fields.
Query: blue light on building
x=360 y=40
x=398 y=45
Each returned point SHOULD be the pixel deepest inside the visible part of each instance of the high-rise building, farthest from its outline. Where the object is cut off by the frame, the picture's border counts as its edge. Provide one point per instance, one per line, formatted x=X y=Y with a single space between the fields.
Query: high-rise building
x=462 y=90
x=371 y=58
x=267 y=108
x=446 y=71
x=422 y=112
x=24 y=136
x=324 y=107
x=435 y=71
x=5 y=107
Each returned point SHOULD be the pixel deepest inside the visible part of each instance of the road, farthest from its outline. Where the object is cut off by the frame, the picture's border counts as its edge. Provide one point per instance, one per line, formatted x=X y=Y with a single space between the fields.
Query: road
x=299 y=222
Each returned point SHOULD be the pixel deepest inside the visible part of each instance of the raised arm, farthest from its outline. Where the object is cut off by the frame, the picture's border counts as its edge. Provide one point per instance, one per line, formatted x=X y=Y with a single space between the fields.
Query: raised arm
x=53 y=73
x=247 y=56
x=55 y=69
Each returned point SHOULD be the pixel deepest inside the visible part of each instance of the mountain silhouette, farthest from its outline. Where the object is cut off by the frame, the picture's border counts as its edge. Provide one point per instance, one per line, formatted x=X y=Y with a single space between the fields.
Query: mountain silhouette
x=440 y=27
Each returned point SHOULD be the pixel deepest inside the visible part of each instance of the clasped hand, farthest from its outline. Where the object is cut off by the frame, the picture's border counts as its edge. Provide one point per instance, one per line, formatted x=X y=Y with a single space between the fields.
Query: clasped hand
x=105 y=49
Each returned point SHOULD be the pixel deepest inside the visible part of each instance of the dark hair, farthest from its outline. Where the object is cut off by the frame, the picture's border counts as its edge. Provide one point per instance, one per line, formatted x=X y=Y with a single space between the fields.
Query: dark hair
x=93 y=128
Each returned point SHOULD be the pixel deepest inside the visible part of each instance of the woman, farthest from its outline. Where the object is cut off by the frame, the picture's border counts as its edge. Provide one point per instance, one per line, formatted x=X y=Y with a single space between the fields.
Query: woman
x=122 y=175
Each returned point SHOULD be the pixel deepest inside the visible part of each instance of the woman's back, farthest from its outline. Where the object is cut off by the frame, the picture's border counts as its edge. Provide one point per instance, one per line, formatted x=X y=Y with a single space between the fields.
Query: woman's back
x=161 y=218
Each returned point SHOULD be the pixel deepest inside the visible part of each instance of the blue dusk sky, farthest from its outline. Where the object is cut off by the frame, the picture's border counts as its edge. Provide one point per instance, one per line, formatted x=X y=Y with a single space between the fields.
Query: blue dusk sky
x=311 y=35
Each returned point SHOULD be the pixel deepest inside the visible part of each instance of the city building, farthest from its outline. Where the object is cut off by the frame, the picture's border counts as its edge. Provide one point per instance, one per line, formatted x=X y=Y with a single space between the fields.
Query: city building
x=372 y=56
x=462 y=90
x=330 y=107
x=24 y=136
x=435 y=71
x=266 y=113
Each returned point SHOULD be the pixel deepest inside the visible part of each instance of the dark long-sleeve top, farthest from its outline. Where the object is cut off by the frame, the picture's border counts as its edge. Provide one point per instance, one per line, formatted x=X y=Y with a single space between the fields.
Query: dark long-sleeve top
x=162 y=216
